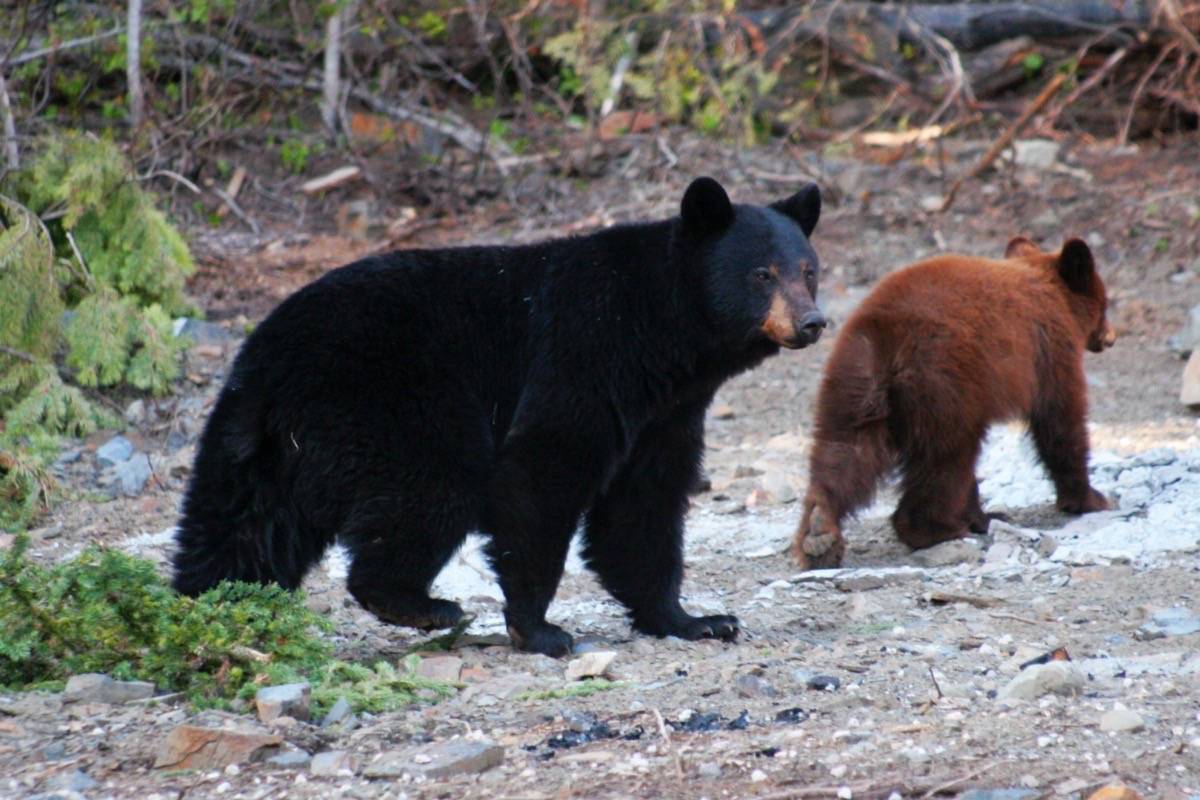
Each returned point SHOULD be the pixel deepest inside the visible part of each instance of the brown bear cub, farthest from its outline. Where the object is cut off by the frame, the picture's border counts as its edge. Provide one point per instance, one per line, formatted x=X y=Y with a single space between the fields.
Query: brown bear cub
x=935 y=354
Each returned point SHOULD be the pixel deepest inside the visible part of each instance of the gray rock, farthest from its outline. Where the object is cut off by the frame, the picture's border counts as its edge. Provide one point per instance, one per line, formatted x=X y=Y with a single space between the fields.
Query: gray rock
x=1188 y=337
x=74 y=781
x=1036 y=154
x=132 y=474
x=292 y=759
x=341 y=710
x=824 y=683
x=114 y=451
x=444 y=669
x=439 y=760
x=333 y=762
x=201 y=332
x=1121 y=719
x=709 y=770
x=1169 y=622
x=1055 y=677
x=999 y=794
x=135 y=412
x=55 y=751
x=753 y=686
x=861 y=579
x=778 y=487
x=95 y=687
x=955 y=551
x=290 y=699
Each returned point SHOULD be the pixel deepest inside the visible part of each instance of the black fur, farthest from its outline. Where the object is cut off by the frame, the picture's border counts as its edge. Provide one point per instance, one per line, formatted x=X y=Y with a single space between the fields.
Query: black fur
x=400 y=402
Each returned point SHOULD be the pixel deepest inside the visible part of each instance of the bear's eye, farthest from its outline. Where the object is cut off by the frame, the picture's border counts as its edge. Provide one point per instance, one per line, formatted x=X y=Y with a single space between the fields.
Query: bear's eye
x=762 y=275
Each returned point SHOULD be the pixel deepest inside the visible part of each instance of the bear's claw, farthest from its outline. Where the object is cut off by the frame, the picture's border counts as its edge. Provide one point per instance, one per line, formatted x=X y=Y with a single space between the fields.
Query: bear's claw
x=549 y=640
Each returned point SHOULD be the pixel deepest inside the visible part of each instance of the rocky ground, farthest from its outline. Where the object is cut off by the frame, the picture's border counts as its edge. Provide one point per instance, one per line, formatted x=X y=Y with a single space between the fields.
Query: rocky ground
x=1048 y=658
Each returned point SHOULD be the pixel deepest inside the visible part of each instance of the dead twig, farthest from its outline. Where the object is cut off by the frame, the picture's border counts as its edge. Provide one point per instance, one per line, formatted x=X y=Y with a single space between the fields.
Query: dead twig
x=175 y=176
x=237 y=210
x=1123 y=136
x=1015 y=618
x=86 y=276
x=958 y=782
x=933 y=678
x=1115 y=58
x=666 y=737
x=33 y=55
x=1007 y=137
x=20 y=354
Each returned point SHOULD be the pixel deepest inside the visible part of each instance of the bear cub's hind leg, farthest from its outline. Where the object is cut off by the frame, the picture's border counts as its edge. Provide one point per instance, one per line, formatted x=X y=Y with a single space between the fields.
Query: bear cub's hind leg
x=936 y=499
x=977 y=520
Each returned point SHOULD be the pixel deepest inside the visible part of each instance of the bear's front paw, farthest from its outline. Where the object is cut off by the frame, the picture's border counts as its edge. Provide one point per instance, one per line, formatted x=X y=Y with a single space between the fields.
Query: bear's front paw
x=719 y=626
x=549 y=640
x=1094 y=501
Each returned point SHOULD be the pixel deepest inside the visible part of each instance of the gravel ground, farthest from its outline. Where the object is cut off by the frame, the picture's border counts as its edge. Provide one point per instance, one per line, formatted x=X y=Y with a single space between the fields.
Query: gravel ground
x=892 y=677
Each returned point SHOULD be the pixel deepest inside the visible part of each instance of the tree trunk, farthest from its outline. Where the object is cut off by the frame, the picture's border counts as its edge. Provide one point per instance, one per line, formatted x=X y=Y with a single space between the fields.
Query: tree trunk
x=12 y=154
x=333 y=71
x=133 y=63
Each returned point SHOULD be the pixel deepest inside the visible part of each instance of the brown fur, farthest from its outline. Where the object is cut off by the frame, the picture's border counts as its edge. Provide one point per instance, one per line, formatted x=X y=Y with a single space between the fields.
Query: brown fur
x=938 y=352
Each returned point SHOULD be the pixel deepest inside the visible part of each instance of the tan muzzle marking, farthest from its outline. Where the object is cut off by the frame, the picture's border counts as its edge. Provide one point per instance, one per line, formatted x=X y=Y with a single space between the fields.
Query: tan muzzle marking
x=779 y=325
x=1109 y=337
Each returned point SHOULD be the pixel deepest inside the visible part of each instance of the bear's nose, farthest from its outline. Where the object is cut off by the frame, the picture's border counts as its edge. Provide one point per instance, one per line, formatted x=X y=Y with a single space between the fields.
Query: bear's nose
x=811 y=325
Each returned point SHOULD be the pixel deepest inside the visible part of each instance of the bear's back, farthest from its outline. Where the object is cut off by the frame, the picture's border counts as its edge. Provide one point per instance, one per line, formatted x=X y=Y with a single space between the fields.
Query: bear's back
x=969 y=327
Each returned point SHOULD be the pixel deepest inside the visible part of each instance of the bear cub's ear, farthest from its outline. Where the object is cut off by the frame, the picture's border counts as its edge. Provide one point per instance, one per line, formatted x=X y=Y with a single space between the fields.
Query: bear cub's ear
x=1076 y=266
x=1021 y=247
x=706 y=207
x=804 y=207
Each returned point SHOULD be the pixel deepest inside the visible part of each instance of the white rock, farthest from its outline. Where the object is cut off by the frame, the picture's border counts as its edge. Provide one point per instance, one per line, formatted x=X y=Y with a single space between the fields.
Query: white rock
x=955 y=551
x=1121 y=719
x=1189 y=392
x=590 y=665
x=1055 y=677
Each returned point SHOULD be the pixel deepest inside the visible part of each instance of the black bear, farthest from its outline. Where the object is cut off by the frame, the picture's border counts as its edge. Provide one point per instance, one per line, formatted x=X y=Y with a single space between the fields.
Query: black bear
x=399 y=403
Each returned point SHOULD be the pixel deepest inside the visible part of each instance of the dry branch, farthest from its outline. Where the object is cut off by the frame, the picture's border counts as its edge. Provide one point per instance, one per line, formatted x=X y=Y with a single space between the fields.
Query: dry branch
x=1007 y=137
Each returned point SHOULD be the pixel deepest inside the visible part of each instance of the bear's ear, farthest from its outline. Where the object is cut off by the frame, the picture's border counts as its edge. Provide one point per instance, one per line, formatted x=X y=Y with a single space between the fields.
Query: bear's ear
x=804 y=207
x=1076 y=266
x=1021 y=247
x=706 y=207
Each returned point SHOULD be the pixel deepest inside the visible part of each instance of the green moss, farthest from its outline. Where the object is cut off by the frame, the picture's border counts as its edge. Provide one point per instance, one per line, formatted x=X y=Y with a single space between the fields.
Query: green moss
x=580 y=689
x=106 y=611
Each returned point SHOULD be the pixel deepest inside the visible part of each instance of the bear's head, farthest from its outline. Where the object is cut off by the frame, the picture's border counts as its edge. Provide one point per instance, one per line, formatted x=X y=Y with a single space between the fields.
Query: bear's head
x=759 y=271
x=1076 y=268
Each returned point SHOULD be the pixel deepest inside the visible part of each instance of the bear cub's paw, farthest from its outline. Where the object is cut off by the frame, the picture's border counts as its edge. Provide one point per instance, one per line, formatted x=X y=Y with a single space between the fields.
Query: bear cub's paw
x=549 y=640
x=1094 y=501
x=819 y=551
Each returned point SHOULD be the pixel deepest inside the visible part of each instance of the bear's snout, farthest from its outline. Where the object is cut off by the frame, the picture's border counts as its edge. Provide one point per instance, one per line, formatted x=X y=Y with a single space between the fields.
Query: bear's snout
x=791 y=329
x=1103 y=339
